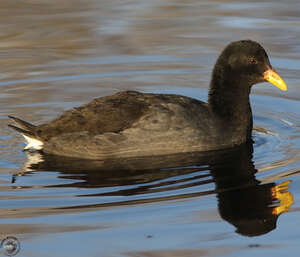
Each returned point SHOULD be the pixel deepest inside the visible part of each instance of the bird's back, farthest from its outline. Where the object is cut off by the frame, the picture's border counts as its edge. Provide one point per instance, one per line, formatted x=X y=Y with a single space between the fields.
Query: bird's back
x=128 y=124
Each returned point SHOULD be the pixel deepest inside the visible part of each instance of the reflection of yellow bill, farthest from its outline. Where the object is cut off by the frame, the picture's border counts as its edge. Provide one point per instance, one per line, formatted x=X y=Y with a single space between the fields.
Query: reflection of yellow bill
x=271 y=76
x=285 y=198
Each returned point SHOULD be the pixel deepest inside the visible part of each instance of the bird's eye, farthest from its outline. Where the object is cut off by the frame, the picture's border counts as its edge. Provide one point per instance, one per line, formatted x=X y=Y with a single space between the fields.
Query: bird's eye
x=252 y=60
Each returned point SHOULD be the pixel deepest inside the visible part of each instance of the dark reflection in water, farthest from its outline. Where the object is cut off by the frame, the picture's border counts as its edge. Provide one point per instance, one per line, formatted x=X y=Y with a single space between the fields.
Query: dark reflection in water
x=252 y=207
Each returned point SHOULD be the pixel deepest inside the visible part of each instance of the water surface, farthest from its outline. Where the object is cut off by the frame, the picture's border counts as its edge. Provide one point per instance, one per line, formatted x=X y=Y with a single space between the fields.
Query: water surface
x=239 y=202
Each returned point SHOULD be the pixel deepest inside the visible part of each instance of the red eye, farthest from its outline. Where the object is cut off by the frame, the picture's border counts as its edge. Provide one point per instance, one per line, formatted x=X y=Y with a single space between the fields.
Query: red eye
x=252 y=60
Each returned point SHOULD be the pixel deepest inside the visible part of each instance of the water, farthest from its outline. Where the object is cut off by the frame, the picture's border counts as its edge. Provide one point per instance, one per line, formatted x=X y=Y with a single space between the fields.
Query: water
x=243 y=202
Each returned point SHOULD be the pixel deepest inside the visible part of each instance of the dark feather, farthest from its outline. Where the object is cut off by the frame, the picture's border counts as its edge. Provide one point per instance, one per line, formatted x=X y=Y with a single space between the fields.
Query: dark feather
x=23 y=124
x=23 y=131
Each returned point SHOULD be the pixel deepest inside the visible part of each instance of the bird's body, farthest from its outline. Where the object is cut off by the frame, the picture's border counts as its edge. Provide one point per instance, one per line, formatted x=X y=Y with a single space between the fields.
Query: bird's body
x=130 y=124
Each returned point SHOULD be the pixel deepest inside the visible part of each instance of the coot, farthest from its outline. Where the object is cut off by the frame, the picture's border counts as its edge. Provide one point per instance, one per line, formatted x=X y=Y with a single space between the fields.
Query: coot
x=131 y=124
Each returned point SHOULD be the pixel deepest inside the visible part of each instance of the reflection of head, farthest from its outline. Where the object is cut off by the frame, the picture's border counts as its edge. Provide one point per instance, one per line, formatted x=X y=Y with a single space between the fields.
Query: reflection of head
x=257 y=227
x=253 y=208
x=249 y=209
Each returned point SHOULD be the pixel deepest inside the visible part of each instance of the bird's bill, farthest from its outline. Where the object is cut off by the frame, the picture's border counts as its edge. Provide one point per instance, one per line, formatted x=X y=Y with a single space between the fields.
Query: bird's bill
x=271 y=76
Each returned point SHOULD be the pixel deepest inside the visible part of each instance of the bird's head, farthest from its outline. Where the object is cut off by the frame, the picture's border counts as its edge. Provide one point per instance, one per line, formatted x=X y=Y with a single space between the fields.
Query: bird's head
x=246 y=62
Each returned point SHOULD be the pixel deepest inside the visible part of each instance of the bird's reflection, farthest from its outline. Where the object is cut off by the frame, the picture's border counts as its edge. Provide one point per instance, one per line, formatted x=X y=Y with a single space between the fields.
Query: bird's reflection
x=252 y=207
x=243 y=201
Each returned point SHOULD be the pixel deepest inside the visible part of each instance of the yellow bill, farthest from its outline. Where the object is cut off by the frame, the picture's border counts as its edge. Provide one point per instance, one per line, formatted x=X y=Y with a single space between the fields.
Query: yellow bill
x=271 y=76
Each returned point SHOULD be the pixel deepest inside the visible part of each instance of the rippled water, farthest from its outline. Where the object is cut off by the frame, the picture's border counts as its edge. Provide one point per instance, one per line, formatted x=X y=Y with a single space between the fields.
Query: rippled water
x=239 y=202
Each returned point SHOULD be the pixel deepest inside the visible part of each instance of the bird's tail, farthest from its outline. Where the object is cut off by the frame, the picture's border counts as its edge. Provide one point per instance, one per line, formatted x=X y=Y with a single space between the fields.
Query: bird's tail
x=29 y=132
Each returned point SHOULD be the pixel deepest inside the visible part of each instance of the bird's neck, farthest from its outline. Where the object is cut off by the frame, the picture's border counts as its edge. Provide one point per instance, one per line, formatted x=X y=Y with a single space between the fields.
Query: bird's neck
x=229 y=100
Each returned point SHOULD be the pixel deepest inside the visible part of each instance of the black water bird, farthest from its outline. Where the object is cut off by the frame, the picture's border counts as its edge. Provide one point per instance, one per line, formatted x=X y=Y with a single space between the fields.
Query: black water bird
x=130 y=123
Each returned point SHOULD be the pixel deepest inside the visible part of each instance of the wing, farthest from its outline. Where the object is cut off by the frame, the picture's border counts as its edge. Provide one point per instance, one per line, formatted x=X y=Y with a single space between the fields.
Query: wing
x=107 y=114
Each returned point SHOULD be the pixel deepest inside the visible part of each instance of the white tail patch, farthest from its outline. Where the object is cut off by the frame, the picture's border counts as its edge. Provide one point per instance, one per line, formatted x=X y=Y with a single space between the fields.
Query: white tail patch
x=32 y=159
x=33 y=143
